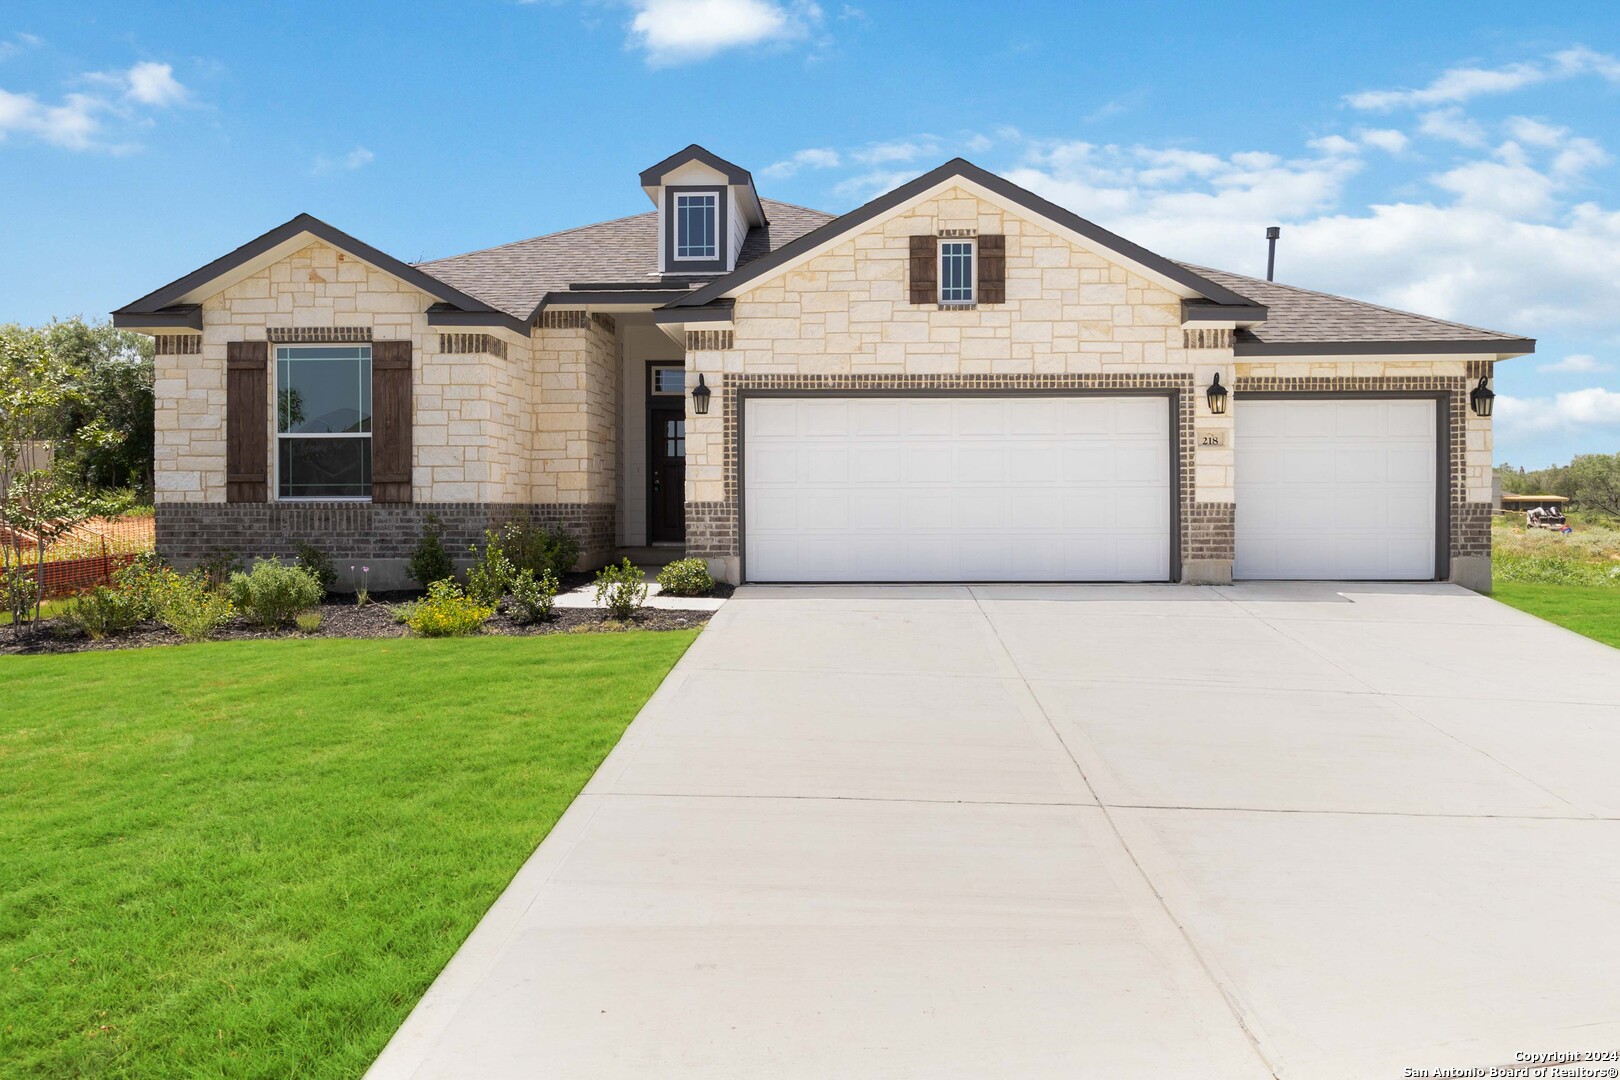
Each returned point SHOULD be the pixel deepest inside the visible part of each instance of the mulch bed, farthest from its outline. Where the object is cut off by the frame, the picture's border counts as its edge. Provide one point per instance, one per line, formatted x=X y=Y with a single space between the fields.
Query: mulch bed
x=344 y=619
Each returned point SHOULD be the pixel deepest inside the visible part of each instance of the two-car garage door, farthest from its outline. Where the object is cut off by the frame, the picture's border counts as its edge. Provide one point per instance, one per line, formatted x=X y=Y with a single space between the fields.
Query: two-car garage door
x=962 y=488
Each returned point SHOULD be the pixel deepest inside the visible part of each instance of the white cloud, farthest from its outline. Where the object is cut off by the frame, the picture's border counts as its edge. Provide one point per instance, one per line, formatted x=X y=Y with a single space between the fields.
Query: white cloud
x=155 y=84
x=358 y=158
x=19 y=42
x=1453 y=126
x=1578 y=363
x=1386 y=139
x=75 y=124
x=810 y=158
x=1593 y=407
x=1461 y=84
x=1334 y=144
x=684 y=31
x=1534 y=132
x=896 y=150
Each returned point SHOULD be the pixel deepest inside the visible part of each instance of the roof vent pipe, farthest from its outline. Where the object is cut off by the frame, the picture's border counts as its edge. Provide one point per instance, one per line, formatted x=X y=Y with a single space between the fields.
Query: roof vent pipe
x=1272 y=232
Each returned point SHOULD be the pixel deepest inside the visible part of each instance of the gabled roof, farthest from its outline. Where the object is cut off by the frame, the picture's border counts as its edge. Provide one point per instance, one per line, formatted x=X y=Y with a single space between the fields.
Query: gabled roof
x=519 y=277
x=734 y=174
x=161 y=304
x=961 y=168
x=1303 y=322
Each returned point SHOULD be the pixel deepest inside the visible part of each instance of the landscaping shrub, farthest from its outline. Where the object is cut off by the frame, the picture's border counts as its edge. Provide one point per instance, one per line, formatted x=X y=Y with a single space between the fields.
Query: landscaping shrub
x=219 y=564
x=272 y=594
x=447 y=612
x=429 y=562
x=532 y=597
x=685 y=577
x=192 y=608
x=146 y=584
x=319 y=565
x=534 y=547
x=620 y=590
x=491 y=573
x=105 y=610
x=308 y=621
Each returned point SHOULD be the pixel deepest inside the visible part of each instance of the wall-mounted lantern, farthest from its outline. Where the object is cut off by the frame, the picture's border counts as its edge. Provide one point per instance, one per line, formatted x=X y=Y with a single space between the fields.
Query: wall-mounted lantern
x=1482 y=399
x=700 y=397
x=1217 y=396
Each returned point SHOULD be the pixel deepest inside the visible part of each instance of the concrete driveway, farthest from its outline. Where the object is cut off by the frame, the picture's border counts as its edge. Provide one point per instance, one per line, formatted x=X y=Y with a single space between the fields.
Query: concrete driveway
x=1121 y=832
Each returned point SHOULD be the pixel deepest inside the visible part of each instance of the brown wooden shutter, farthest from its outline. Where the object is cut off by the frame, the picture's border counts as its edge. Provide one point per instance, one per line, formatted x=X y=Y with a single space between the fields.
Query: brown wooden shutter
x=992 y=269
x=391 y=422
x=247 y=421
x=924 y=270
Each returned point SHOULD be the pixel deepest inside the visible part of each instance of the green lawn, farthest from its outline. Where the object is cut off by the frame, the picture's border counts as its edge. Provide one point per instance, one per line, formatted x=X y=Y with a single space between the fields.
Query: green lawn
x=249 y=859
x=1584 y=609
x=48 y=610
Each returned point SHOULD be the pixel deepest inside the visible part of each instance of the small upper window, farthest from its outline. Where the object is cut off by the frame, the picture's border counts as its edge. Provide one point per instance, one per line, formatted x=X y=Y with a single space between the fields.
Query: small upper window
x=697 y=218
x=956 y=272
x=669 y=380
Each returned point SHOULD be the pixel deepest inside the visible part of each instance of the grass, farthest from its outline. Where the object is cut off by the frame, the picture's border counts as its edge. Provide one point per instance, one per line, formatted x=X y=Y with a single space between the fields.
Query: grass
x=249 y=859
x=48 y=610
x=1594 y=612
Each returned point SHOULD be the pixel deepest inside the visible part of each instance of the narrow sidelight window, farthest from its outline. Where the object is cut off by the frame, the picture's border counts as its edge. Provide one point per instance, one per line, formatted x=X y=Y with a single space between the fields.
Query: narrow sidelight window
x=956 y=272
x=697 y=225
x=323 y=421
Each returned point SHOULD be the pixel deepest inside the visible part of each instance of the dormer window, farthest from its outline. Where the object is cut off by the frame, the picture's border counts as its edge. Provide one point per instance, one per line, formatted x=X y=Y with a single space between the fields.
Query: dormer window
x=956 y=277
x=697 y=225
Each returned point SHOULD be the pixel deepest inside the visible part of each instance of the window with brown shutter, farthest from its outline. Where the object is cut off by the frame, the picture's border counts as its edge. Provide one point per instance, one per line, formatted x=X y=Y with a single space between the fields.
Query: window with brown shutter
x=992 y=269
x=924 y=270
x=247 y=421
x=391 y=421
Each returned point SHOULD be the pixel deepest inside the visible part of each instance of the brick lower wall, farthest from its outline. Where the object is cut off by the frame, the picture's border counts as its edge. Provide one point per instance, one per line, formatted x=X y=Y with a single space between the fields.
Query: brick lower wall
x=364 y=530
x=711 y=530
x=1210 y=530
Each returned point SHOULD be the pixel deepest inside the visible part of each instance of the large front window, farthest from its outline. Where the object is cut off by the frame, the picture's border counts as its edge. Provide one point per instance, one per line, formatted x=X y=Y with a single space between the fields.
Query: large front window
x=697 y=226
x=323 y=421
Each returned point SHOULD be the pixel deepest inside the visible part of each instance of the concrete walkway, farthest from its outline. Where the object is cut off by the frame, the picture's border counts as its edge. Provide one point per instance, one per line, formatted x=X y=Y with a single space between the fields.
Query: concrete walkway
x=1304 y=831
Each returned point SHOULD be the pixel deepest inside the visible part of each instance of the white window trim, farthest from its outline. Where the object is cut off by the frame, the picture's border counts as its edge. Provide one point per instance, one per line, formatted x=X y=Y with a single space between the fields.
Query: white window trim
x=276 y=434
x=713 y=198
x=973 y=270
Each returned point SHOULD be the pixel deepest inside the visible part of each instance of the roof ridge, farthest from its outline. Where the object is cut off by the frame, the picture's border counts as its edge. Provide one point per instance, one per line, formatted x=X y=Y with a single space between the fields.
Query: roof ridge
x=1352 y=300
x=541 y=236
x=798 y=206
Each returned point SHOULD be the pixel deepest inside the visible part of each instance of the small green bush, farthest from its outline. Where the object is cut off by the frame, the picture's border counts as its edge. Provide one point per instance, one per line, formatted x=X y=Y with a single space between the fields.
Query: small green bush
x=621 y=590
x=219 y=564
x=272 y=594
x=308 y=621
x=194 y=609
x=146 y=584
x=318 y=564
x=447 y=612
x=534 y=547
x=533 y=598
x=685 y=577
x=429 y=562
x=491 y=572
x=104 y=610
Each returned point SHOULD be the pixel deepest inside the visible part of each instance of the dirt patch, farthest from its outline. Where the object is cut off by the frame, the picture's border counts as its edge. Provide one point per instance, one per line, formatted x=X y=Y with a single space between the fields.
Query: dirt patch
x=343 y=619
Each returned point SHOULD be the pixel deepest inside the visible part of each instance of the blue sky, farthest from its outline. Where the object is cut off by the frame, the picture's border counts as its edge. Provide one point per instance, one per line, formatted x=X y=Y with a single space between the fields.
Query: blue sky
x=1454 y=159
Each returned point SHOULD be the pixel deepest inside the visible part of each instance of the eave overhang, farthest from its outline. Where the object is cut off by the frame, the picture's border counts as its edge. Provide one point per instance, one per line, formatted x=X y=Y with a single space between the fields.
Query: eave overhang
x=1197 y=311
x=1501 y=349
x=174 y=317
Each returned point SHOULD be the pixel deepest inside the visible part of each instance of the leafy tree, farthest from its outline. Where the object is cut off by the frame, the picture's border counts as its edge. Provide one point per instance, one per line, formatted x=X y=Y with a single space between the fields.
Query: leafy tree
x=112 y=385
x=39 y=391
x=1595 y=480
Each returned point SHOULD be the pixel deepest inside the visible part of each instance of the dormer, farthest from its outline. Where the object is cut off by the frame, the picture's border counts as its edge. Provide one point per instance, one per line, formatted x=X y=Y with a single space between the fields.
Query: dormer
x=706 y=205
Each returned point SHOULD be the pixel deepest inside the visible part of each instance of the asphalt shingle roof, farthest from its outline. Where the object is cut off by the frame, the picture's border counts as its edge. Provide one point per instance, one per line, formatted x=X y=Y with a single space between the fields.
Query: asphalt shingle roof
x=1298 y=316
x=515 y=277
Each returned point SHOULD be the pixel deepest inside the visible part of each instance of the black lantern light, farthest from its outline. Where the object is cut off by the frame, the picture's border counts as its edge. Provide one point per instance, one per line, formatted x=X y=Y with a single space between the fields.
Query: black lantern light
x=700 y=397
x=1482 y=399
x=1217 y=396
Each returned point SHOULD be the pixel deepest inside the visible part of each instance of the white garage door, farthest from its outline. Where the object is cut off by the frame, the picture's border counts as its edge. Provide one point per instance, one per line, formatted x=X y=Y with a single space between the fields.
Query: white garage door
x=1335 y=489
x=957 y=489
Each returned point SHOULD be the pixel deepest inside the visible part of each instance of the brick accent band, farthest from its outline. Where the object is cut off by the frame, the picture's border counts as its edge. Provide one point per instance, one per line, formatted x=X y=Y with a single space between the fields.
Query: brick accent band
x=349 y=531
x=709 y=340
x=179 y=345
x=1210 y=530
x=472 y=343
x=317 y=335
x=562 y=320
x=1206 y=339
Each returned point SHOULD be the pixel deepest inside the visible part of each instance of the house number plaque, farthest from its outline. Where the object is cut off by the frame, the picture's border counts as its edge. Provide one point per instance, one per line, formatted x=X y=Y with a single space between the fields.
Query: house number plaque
x=1214 y=438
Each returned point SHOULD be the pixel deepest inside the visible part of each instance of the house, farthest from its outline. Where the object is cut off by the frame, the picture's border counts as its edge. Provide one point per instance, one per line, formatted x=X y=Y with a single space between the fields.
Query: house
x=958 y=381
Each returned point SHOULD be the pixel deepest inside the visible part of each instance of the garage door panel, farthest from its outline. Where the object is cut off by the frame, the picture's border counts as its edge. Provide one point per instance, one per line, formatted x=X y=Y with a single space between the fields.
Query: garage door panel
x=773 y=418
x=1335 y=489
x=941 y=489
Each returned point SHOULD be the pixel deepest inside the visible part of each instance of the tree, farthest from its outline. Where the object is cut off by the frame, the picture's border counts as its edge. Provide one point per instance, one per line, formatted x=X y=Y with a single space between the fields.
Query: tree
x=38 y=393
x=1595 y=479
x=113 y=386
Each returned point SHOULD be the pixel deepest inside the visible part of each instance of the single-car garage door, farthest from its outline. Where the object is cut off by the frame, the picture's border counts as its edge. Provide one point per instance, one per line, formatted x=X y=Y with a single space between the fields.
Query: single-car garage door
x=1340 y=490
x=964 y=488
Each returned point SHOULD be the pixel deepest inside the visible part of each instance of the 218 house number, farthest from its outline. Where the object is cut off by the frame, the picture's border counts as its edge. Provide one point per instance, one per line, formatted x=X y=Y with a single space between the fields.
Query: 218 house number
x=1212 y=438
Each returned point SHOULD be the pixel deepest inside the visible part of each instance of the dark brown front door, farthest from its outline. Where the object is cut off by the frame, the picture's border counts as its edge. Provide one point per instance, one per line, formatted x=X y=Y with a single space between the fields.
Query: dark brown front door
x=666 y=475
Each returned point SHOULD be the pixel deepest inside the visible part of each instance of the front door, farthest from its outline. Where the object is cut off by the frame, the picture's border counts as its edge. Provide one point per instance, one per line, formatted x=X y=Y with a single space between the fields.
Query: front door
x=666 y=474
